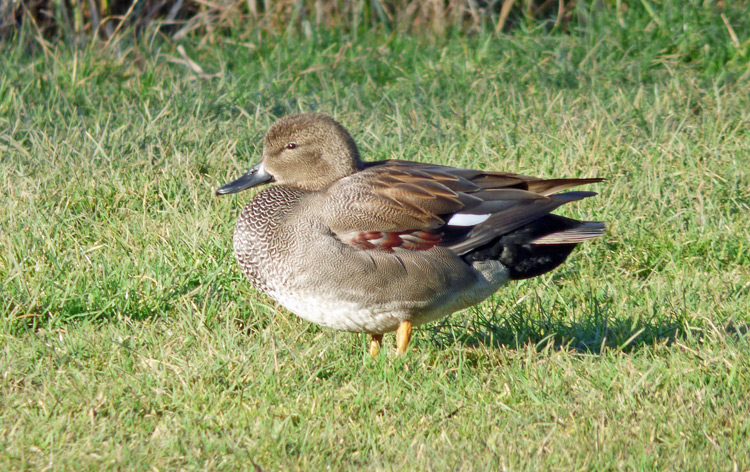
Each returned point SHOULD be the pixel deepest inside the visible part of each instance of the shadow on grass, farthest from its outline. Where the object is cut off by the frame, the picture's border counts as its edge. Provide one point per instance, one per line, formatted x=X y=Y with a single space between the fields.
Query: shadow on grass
x=519 y=326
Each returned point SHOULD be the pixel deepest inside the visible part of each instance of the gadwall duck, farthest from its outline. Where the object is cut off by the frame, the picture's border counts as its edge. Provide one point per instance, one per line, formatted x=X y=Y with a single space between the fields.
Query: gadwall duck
x=383 y=246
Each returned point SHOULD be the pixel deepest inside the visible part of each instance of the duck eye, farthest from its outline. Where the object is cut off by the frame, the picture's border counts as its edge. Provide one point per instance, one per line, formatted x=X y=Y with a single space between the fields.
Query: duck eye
x=291 y=145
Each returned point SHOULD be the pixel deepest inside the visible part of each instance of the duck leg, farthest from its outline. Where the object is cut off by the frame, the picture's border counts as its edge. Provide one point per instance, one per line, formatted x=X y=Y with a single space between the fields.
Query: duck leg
x=403 y=335
x=375 y=341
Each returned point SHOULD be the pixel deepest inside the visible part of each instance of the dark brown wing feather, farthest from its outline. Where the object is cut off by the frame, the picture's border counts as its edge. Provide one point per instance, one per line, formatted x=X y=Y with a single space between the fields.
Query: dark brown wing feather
x=382 y=206
x=395 y=199
x=490 y=180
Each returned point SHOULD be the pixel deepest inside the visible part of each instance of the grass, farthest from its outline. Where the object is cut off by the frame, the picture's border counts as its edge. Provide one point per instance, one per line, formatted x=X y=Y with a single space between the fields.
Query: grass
x=129 y=339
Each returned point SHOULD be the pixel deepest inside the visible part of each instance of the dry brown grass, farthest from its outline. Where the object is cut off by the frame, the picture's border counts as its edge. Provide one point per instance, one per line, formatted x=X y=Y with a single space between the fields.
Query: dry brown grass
x=104 y=19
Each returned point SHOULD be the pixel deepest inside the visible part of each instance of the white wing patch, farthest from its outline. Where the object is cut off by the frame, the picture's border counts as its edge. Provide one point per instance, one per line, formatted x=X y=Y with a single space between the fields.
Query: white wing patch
x=467 y=219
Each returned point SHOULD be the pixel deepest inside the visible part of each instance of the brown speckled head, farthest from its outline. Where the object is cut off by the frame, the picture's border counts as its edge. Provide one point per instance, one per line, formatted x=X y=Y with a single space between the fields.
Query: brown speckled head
x=309 y=151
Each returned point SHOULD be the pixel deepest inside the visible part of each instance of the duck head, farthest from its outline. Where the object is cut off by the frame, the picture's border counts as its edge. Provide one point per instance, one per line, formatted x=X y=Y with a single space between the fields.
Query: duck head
x=309 y=151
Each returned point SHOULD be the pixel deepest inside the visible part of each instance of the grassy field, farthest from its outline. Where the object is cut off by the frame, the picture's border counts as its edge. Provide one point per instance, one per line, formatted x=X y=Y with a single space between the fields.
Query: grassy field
x=130 y=341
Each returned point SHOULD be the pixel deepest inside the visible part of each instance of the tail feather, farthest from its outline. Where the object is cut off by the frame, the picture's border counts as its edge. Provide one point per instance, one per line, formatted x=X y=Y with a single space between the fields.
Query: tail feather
x=583 y=232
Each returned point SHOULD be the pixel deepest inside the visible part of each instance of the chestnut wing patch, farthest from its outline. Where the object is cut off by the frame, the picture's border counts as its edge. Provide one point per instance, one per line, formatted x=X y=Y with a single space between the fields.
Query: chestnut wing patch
x=411 y=240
